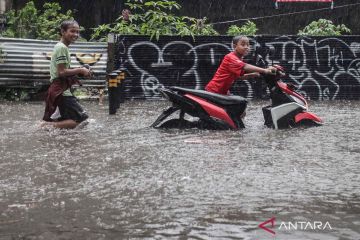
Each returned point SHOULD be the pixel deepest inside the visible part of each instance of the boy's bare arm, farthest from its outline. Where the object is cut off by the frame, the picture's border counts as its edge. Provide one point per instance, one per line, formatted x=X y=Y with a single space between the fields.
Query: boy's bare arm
x=250 y=75
x=66 y=72
x=251 y=69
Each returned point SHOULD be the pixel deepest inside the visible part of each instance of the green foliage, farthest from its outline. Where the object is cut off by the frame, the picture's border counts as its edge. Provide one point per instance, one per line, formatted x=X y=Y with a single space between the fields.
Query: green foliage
x=199 y=27
x=50 y=20
x=249 y=28
x=324 y=27
x=80 y=93
x=22 y=24
x=28 y=22
x=155 y=18
x=12 y=94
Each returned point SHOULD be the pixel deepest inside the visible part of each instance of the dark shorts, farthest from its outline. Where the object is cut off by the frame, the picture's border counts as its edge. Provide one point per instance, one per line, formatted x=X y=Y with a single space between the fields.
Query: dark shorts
x=70 y=108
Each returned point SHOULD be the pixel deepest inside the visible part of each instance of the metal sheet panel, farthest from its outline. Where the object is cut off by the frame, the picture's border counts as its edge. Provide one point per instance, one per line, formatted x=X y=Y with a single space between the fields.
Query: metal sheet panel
x=25 y=62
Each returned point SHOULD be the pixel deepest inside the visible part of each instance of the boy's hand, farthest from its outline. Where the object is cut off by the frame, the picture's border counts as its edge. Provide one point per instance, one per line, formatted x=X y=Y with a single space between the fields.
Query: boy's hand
x=85 y=72
x=271 y=70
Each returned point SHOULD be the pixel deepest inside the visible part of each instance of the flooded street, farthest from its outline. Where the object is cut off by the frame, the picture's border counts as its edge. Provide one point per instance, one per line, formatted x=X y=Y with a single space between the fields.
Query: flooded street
x=119 y=179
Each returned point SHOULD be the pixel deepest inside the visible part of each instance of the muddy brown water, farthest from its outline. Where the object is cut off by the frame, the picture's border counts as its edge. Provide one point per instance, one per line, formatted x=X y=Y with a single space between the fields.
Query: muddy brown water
x=119 y=179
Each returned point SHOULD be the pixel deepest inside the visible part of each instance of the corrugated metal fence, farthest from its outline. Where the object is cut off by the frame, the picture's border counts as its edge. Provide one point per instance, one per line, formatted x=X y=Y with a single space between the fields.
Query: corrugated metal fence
x=321 y=67
x=25 y=62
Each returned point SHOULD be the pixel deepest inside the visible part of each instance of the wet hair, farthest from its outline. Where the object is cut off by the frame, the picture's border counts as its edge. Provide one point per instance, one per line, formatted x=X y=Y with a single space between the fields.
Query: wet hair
x=66 y=24
x=236 y=39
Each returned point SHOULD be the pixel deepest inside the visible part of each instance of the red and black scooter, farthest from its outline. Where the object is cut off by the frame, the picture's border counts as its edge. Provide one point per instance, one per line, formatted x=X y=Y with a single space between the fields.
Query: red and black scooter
x=214 y=111
x=288 y=107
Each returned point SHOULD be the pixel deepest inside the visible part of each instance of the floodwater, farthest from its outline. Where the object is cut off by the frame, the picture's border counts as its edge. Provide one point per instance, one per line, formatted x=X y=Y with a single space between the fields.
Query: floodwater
x=119 y=179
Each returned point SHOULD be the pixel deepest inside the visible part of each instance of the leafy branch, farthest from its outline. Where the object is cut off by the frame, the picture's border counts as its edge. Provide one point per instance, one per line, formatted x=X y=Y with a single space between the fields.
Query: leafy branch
x=28 y=22
x=249 y=28
x=324 y=27
x=154 y=18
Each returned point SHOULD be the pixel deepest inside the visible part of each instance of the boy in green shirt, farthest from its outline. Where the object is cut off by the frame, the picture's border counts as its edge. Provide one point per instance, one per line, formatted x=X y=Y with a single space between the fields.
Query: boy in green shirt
x=62 y=108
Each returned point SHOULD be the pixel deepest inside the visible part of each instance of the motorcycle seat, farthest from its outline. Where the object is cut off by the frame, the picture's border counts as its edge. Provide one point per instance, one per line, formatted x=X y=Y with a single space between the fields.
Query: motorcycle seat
x=223 y=100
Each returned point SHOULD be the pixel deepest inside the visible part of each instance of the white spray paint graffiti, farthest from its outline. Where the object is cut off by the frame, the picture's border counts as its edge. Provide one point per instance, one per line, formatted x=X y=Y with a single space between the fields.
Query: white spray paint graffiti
x=312 y=70
x=317 y=66
x=150 y=83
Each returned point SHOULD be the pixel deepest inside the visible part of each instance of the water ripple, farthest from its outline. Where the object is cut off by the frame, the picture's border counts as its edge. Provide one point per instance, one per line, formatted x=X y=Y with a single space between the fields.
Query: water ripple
x=117 y=178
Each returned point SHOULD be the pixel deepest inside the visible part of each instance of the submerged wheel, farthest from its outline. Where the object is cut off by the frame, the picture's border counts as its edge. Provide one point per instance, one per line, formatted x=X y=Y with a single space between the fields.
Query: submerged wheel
x=179 y=123
x=308 y=123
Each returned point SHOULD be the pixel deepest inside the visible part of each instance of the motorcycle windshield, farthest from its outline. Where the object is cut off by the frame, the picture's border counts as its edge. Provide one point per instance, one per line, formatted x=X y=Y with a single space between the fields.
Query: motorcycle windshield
x=297 y=97
x=299 y=101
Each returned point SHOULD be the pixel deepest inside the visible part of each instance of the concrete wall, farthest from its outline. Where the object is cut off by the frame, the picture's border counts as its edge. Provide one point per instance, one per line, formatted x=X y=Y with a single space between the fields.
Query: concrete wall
x=322 y=67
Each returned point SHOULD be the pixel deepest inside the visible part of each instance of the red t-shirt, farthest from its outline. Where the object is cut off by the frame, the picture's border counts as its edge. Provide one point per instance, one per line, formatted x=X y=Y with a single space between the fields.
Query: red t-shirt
x=229 y=70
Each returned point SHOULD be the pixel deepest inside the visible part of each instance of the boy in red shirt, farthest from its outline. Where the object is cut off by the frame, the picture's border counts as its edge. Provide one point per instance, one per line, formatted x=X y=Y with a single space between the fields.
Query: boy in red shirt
x=233 y=67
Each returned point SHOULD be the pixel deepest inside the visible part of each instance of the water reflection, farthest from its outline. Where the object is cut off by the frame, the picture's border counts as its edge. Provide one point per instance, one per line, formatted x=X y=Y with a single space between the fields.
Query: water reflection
x=119 y=179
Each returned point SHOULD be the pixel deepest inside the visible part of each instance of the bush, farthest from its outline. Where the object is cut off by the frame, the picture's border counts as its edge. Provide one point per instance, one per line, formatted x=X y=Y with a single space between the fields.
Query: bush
x=154 y=18
x=249 y=28
x=14 y=94
x=324 y=27
x=28 y=22
x=22 y=24
x=49 y=21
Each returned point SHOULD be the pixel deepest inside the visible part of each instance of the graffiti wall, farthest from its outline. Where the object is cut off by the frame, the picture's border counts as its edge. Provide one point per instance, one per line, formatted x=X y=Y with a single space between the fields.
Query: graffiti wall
x=322 y=68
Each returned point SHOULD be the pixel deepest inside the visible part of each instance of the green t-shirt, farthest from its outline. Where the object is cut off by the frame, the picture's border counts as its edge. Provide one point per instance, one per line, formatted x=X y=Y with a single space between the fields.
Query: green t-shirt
x=59 y=55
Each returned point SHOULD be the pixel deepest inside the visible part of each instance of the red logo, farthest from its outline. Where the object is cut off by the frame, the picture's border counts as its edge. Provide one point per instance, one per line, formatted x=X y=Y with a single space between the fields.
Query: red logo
x=272 y=221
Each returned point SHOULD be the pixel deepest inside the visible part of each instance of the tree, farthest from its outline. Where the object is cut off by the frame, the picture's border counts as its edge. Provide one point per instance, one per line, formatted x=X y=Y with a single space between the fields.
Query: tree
x=154 y=18
x=49 y=21
x=22 y=24
x=324 y=27
x=28 y=22
x=249 y=28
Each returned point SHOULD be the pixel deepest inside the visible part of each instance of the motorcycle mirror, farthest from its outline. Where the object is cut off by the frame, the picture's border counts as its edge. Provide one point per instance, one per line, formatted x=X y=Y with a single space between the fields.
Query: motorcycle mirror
x=260 y=61
x=258 y=58
x=271 y=51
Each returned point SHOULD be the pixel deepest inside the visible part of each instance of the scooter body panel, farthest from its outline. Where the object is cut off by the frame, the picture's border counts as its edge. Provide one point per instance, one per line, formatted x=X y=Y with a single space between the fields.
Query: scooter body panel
x=288 y=108
x=279 y=112
x=308 y=116
x=213 y=110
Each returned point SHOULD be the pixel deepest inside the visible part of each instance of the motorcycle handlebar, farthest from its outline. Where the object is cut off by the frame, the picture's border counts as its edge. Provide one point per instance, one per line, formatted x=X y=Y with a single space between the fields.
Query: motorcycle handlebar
x=277 y=72
x=274 y=75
